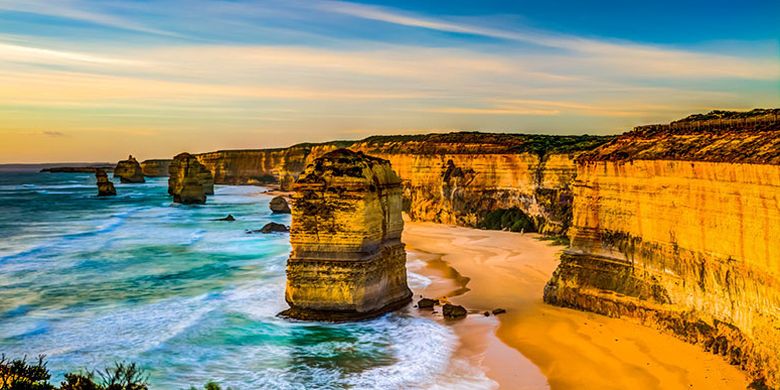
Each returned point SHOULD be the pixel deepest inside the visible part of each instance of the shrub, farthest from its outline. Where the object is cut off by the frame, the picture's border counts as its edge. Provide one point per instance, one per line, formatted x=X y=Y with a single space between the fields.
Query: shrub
x=20 y=375
x=512 y=219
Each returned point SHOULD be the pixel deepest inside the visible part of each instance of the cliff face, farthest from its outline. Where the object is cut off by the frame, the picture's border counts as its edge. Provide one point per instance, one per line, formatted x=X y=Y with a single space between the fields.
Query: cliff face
x=155 y=168
x=189 y=181
x=260 y=166
x=667 y=231
x=452 y=178
x=347 y=259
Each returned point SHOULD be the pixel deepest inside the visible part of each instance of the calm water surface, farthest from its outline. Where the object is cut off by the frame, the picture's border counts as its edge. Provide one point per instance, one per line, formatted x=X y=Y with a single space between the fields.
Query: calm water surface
x=89 y=281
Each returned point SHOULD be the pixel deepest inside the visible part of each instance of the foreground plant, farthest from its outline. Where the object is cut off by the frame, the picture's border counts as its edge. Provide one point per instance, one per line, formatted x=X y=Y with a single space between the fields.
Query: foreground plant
x=18 y=374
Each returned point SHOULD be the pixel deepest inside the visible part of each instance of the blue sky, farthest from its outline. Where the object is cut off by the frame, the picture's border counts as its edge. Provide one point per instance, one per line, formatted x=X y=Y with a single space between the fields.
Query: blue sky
x=171 y=75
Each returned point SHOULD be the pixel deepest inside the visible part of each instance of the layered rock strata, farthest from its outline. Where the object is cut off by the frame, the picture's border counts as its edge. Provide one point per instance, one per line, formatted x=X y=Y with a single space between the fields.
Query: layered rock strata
x=347 y=260
x=189 y=182
x=129 y=171
x=454 y=178
x=155 y=168
x=678 y=227
x=105 y=186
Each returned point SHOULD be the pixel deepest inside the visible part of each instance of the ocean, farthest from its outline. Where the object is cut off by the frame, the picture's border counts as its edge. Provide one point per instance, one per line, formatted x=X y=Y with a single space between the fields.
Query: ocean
x=88 y=281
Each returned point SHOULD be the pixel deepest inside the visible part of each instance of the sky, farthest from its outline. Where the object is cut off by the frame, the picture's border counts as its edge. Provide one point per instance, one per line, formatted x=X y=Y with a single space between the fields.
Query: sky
x=84 y=80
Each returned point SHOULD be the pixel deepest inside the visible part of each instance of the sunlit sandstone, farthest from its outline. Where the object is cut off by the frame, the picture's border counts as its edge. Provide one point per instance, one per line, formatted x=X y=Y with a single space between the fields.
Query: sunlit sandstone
x=347 y=259
x=189 y=182
x=129 y=171
x=452 y=178
x=686 y=245
x=155 y=168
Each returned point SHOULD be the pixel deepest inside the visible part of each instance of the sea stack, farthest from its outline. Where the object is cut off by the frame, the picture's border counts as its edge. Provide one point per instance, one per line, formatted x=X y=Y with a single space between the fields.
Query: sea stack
x=129 y=171
x=347 y=260
x=105 y=186
x=189 y=181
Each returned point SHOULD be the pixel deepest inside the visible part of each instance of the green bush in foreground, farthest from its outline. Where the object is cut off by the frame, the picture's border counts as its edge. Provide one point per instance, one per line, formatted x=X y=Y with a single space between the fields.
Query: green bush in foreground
x=19 y=374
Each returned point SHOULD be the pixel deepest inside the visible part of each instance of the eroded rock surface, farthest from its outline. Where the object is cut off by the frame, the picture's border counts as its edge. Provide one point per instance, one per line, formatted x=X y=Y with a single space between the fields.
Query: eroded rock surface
x=681 y=239
x=347 y=259
x=189 y=182
x=129 y=171
x=105 y=186
x=155 y=168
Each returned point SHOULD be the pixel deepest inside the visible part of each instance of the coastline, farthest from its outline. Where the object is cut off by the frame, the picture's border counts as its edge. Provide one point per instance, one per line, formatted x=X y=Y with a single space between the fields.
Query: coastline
x=537 y=346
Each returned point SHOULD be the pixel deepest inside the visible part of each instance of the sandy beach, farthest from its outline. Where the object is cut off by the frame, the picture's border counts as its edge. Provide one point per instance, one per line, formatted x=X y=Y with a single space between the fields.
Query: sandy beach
x=537 y=346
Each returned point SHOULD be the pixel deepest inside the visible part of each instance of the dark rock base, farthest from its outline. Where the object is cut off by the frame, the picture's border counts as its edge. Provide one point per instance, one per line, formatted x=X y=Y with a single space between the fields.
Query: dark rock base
x=342 y=316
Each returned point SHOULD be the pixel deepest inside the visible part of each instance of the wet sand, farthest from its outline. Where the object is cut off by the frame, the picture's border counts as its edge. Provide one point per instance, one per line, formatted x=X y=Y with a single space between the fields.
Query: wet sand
x=537 y=346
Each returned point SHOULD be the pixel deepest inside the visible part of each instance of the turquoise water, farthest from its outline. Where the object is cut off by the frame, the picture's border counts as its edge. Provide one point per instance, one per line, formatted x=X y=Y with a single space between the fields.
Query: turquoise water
x=89 y=281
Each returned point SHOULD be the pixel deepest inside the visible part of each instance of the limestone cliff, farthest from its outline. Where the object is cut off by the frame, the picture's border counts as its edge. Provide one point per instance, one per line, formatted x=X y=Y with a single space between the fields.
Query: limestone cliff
x=189 y=181
x=258 y=166
x=347 y=259
x=129 y=171
x=678 y=227
x=155 y=168
x=454 y=178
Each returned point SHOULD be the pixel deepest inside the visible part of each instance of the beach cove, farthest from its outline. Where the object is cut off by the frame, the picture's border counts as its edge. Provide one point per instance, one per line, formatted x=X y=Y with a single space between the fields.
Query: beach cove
x=537 y=346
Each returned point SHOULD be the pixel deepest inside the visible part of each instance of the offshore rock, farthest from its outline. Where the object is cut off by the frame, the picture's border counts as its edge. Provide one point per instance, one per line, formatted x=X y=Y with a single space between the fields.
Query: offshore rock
x=105 y=186
x=347 y=260
x=273 y=227
x=189 y=182
x=129 y=171
x=676 y=226
x=279 y=205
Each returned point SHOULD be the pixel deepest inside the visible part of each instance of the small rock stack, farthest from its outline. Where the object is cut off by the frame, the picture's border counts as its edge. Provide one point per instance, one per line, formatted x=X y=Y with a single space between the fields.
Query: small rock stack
x=189 y=181
x=129 y=171
x=105 y=186
x=347 y=259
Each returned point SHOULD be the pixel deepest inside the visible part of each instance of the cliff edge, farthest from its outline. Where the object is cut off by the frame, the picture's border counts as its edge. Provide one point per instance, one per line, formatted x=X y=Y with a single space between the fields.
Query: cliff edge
x=676 y=226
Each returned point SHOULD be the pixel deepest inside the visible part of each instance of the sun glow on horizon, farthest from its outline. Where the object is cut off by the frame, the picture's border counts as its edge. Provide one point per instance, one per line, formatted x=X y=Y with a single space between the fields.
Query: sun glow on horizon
x=90 y=81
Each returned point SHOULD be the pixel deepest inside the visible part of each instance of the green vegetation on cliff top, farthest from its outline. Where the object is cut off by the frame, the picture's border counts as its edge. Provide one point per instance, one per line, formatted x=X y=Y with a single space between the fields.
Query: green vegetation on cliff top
x=751 y=137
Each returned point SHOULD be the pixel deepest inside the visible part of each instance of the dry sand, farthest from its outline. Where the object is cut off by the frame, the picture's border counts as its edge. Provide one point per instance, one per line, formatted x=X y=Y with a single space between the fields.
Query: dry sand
x=539 y=346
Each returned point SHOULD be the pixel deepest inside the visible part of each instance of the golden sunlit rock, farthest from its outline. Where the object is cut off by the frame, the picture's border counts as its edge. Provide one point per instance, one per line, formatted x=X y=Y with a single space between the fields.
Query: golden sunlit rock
x=347 y=259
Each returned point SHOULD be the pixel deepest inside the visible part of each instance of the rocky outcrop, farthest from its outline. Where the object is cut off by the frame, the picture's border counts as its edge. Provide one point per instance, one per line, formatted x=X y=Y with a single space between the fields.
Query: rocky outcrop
x=257 y=166
x=455 y=178
x=453 y=312
x=279 y=205
x=105 y=186
x=129 y=171
x=272 y=227
x=189 y=182
x=155 y=168
x=347 y=260
x=677 y=226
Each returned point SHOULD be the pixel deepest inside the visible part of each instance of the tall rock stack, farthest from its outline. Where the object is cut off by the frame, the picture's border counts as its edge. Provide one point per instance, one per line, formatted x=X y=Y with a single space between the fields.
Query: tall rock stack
x=347 y=259
x=189 y=181
x=105 y=186
x=129 y=171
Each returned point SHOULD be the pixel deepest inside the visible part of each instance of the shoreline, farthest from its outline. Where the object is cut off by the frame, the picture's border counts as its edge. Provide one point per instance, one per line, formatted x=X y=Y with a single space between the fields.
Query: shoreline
x=535 y=345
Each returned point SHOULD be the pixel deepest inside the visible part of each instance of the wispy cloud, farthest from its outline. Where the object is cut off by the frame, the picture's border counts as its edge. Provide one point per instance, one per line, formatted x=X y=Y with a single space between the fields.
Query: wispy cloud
x=321 y=69
x=80 y=11
x=54 y=134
